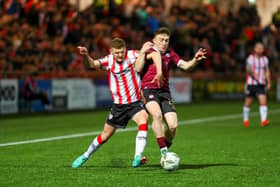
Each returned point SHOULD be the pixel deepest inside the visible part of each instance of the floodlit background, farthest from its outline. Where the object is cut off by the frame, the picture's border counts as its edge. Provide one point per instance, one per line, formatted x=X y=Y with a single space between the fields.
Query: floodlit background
x=40 y=139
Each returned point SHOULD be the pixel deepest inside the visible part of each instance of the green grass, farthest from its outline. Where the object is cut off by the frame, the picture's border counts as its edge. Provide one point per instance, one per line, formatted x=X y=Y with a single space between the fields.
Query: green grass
x=216 y=153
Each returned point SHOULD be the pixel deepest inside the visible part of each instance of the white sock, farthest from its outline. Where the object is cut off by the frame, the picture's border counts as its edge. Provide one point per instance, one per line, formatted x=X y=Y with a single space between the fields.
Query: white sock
x=163 y=150
x=263 y=112
x=246 y=111
x=92 y=147
x=141 y=140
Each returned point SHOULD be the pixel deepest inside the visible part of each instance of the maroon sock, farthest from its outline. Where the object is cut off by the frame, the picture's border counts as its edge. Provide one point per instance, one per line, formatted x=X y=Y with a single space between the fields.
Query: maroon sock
x=161 y=142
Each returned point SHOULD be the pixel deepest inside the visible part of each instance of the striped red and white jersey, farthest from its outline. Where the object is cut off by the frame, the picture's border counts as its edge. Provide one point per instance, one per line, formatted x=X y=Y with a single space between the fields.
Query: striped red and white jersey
x=124 y=80
x=258 y=66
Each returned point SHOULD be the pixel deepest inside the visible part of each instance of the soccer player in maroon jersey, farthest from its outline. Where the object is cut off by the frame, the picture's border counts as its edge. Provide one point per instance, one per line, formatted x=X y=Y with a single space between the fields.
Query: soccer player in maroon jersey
x=158 y=101
x=124 y=83
x=257 y=83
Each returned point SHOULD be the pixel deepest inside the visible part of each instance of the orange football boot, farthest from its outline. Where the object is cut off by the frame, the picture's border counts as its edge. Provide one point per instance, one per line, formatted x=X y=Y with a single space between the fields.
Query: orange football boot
x=265 y=123
x=246 y=123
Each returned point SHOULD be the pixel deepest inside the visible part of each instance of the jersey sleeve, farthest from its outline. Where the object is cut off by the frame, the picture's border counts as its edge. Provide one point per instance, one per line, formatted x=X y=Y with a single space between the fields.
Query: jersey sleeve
x=104 y=62
x=175 y=58
x=249 y=61
x=266 y=61
x=132 y=54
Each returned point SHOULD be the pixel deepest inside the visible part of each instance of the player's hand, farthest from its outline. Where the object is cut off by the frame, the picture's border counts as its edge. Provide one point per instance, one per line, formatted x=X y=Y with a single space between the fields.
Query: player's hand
x=268 y=86
x=83 y=50
x=159 y=79
x=146 y=46
x=200 y=54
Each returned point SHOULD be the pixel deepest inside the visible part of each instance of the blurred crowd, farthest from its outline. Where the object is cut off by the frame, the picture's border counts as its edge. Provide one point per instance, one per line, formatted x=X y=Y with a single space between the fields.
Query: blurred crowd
x=42 y=35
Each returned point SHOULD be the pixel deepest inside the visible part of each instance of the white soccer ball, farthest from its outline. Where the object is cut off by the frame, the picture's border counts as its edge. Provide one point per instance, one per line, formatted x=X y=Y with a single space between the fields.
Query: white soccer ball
x=170 y=161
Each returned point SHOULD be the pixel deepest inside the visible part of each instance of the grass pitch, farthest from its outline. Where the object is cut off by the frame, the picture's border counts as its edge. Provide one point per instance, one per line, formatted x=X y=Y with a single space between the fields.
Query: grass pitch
x=214 y=147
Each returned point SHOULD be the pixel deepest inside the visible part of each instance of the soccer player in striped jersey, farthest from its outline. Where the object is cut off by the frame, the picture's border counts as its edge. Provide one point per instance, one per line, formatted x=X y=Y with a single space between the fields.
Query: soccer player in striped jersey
x=158 y=100
x=257 y=83
x=124 y=84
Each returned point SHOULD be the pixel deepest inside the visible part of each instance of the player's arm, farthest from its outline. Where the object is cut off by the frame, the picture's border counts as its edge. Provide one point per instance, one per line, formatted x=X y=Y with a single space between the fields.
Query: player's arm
x=267 y=76
x=141 y=59
x=140 y=62
x=199 y=55
x=156 y=57
x=250 y=71
x=87 y=60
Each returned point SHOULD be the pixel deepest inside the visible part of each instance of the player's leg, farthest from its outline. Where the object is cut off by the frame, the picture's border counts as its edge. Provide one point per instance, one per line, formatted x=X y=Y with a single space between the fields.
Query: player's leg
x=107 y=132
x=141 y=119
x=170 y=116
x=171 y=121
x=249 y=94
x=263 y=110
x=155 y=111
x=246 y=110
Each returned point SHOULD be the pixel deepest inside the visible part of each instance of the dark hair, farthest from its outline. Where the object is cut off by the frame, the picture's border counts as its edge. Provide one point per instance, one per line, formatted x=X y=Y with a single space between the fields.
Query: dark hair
x=117 y=43
x=162 y=30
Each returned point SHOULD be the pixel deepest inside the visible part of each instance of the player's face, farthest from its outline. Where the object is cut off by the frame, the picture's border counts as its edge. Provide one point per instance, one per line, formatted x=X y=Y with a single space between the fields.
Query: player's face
x=161 y=42
x=259 y=48
x=118 y=54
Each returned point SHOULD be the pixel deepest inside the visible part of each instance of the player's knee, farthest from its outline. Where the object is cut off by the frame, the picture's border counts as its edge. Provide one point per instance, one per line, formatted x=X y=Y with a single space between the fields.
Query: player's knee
x=173 y=126
x=157 y=116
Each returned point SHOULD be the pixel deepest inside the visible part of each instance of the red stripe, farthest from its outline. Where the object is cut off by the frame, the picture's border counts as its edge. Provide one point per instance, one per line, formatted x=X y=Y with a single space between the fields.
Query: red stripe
x=113 y=66
x=135 y=54
x=105 y=64
x=254 y=61
x=135 y=84
x=118 y=89
x=264 y=68
x=109 y=79
x=117 y=82
x=104 y=61
x=125 y=84
x=99 y=139
x=143 y=127
x=247 y=75
x=259 y=68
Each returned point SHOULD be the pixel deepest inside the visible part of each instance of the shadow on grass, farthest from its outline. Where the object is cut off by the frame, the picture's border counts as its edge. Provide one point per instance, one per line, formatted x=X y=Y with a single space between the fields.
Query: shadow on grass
x=194 y=166
x=157 y=166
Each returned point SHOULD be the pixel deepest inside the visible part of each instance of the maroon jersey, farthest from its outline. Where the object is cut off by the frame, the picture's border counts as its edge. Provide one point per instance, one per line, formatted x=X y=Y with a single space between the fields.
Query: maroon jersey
x=150 y=70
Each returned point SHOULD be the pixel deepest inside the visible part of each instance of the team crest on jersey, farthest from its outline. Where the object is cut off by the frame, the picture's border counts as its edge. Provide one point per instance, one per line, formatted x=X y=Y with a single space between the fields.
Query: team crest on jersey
x=167 y=55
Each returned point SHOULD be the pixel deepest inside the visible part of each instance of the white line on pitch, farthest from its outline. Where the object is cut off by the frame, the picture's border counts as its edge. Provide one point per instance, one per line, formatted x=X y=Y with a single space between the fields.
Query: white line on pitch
x=186 y=122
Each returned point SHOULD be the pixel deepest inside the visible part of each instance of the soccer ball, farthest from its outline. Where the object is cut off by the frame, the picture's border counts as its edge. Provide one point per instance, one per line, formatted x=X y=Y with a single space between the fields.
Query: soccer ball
x=170 y=161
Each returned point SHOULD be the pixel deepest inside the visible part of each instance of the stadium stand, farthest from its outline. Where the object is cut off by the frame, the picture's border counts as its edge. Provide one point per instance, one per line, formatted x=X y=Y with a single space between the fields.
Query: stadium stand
x=42 y=35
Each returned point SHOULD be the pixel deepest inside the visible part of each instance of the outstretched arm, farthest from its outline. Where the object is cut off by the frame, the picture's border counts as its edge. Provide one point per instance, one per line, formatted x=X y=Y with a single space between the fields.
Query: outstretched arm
x=87 y=60
x=199 y=55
